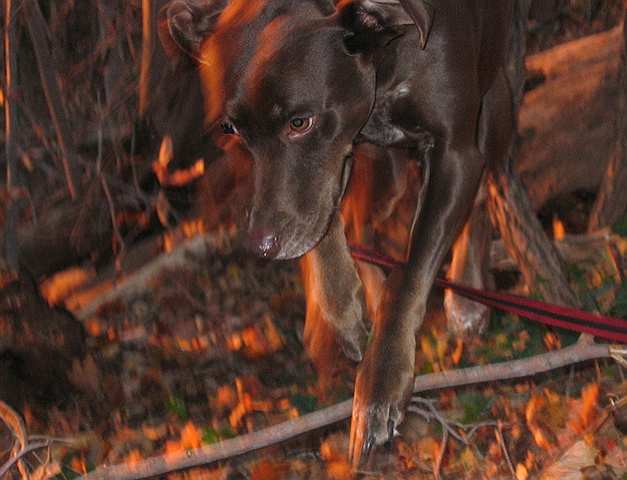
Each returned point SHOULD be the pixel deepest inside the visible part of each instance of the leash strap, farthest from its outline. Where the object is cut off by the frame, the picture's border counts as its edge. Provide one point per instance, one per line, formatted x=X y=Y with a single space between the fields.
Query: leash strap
x=610 y=328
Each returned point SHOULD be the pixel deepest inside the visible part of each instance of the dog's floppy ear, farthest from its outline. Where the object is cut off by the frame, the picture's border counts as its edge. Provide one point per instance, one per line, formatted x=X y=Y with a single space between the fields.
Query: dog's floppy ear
x=373 y=23
x=184 y=24
x=422 y=15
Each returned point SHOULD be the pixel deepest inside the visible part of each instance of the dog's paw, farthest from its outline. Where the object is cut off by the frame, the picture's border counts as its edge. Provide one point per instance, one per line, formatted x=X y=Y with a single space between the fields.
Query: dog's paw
x=382 y=388
x=324 y=329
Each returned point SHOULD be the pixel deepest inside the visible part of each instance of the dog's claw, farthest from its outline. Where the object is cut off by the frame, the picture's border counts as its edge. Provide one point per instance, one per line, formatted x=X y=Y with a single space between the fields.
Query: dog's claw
x=370 y=429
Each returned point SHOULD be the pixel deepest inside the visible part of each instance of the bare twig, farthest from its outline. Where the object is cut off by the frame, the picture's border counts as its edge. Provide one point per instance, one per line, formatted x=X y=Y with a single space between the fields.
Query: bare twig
x=15 y=423
x=147 y=41
x=438 y=462
x=110 y=204
x=10 y=237
x=37 y=28
x=499 y=437
x=12 y=420
x=447 y=427
x=433 y=413
x=31 y=447
x=114 y=223
x=278 y=433
x=24 y=444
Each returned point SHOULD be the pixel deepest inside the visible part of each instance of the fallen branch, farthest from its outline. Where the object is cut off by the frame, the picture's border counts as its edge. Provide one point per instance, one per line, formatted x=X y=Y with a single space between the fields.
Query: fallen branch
x=24 y=444
x=17 y=457
x=501 y=441
x=139 y=280
x=155 y=466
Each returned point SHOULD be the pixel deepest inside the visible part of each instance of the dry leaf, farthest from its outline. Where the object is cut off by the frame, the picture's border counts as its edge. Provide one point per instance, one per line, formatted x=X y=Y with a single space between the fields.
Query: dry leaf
x=459 y=350
x=521 y=472
x=133 y=457
x=585 y=410
x=58 y=287
x=46 y=471
x=427 y=348
x=86 y=375
x=569 y=466
x=268 y=470
x=191 y=436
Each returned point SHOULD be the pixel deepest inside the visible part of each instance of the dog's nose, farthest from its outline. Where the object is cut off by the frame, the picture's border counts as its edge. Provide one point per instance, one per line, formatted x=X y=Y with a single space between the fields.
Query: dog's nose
x=264 y=244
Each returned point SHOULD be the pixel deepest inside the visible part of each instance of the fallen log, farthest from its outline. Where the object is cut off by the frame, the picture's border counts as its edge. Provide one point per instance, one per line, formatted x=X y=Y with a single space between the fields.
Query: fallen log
x=611 y=201
x=567 y=124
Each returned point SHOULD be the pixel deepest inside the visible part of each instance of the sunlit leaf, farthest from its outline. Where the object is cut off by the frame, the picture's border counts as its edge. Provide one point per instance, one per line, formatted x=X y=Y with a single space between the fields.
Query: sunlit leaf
x=177 y=406
x=269 y=470
x=304 y=403
x=191 y=436
x=210 y=435
x=474 y=405
x=620 y=302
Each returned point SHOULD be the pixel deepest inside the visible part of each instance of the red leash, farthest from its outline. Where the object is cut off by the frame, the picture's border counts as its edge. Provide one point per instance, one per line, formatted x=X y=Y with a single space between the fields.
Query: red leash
x=610 y=328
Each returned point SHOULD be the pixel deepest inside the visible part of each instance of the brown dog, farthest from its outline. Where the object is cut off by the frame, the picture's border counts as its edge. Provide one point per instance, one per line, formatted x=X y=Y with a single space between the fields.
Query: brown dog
x=298 y=83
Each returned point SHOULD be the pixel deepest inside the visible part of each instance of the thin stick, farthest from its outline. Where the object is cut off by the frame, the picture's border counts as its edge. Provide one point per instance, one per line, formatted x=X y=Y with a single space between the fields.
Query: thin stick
x=10 y=63
x=147 y=40
x=446 y=425
x=37 y=28
x=156 y=466
x=438 y=462
x=21 y=454
x=499 y=437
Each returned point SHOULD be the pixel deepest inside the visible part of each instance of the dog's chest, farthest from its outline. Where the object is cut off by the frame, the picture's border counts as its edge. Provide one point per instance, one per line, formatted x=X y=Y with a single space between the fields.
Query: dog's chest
x=381 y=128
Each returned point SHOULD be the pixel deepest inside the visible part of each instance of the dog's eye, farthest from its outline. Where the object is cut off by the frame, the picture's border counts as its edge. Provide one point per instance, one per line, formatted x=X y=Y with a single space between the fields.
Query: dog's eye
x=228 y=128
x=300 y=126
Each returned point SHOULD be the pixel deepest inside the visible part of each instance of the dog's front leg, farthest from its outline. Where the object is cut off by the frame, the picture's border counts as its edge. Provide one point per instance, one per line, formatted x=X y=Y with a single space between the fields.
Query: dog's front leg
x=334 y=295
x=385 y=377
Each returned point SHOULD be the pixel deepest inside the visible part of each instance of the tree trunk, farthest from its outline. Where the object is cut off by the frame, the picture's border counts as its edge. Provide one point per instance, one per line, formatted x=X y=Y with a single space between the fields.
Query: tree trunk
x=509 y=206
x=611 y=202
x=567 y=124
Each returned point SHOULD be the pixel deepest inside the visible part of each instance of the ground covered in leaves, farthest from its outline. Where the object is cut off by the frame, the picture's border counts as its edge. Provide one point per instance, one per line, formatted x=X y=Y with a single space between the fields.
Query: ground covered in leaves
x=214 y=350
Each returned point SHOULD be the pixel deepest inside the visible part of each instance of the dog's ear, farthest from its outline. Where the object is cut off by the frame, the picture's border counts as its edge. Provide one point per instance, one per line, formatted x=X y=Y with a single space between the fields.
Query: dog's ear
x=422 y=15
x=373 y=23
x=184 y=24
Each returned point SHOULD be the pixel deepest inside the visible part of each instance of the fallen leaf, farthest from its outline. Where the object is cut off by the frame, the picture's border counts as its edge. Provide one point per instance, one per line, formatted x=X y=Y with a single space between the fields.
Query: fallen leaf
x=59 y=286
x=569 y=466
x=191 y=436
x=459 y=350
x=269 y=470
x=584 y=413
x=521 y=472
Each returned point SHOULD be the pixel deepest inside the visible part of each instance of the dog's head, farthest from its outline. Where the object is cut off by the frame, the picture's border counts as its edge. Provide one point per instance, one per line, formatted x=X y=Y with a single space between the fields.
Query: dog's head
x=294 y=82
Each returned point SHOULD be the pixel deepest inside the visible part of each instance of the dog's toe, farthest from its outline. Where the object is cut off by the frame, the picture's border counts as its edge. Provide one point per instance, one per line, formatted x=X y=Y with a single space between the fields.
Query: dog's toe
x=371 y=426
x=382 y=388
